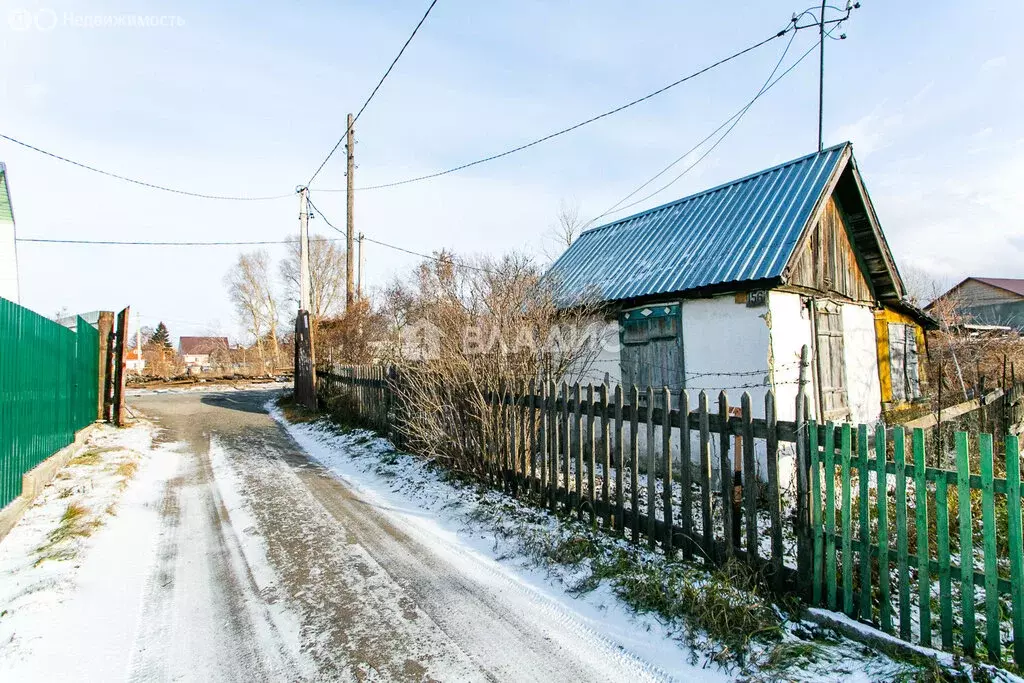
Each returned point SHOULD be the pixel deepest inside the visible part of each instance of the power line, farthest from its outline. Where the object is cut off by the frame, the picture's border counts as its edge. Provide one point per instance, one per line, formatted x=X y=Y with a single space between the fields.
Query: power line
x=126 y=243
x=376 y=88
x=143 y=183
x=733 y=120
x=576 y=126
x=439 y=259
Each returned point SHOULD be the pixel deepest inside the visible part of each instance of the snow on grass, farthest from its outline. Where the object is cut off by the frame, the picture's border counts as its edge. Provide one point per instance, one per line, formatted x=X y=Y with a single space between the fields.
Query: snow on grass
x=566 y=563
x=72 y=570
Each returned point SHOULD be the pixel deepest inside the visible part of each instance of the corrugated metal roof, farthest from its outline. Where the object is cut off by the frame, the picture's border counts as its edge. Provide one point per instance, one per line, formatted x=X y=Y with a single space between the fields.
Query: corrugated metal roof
x=741 y=231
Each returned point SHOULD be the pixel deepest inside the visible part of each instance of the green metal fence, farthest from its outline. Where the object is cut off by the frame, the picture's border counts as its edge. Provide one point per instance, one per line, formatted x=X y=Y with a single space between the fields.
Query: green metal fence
x=957 y=569
x=49 y=387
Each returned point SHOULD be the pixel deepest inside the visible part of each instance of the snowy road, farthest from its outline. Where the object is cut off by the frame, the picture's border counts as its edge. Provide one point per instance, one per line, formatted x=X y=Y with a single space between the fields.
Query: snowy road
x=270 y=568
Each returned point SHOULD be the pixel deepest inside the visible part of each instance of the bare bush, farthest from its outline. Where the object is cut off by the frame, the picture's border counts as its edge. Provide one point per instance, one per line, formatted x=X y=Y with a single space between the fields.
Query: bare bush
x=464 y=332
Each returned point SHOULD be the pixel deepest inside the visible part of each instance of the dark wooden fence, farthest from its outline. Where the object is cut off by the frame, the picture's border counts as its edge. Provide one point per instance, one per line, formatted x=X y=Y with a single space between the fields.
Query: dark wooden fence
x=607 y=456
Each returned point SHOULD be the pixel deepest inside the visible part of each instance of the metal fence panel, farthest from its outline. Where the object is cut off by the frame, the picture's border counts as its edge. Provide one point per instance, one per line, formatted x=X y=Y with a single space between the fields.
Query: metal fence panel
x=48 y=390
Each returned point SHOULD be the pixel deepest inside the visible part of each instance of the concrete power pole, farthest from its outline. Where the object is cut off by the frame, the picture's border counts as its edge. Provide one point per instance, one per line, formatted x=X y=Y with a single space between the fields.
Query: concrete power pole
x=304 y=249
x=305 y=362
x=349 y=234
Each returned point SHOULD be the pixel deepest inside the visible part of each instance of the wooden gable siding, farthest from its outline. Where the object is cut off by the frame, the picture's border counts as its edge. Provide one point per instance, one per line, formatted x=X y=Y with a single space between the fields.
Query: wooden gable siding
x=976 y=293
x=829 y=263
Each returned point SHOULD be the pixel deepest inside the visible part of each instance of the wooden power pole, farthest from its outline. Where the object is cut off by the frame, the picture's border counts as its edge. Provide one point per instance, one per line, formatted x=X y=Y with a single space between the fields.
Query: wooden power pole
x=362 y=262
x=349 y=231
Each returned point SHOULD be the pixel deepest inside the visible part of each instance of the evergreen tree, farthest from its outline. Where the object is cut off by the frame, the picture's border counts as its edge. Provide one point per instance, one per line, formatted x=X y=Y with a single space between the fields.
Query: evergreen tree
x=161 y=337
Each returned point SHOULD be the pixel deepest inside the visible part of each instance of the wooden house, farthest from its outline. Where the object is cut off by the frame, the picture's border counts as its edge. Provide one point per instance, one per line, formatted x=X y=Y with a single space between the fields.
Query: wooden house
x=722 y=289
x=987 y=301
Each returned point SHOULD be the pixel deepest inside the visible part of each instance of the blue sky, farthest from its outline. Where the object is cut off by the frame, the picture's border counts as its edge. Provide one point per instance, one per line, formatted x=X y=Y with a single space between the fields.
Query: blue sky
x=247 y=98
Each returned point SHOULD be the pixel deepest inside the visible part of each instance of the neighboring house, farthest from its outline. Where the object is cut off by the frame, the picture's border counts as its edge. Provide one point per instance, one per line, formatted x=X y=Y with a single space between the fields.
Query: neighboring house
x=134 y=362
x=987 y=301
x=8 y=243
x=202 y=353
x=721 y=289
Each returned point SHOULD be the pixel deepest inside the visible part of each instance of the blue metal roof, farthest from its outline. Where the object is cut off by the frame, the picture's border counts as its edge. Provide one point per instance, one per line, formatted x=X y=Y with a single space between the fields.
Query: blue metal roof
x=742 y=231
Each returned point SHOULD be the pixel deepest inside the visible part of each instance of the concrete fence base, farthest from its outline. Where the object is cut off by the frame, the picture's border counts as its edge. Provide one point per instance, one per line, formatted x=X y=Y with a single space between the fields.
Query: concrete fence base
x=38 y=477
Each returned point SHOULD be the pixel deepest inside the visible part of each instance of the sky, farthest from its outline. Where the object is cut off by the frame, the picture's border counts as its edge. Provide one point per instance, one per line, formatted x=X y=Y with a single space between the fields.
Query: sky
x=247 y=99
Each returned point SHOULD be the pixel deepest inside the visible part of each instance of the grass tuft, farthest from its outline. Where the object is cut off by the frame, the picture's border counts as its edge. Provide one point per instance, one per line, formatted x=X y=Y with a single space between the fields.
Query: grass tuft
x=74 y=523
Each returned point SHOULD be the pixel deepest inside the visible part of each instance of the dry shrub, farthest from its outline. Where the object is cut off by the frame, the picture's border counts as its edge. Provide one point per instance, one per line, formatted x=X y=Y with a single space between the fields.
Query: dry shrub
x=463 y=332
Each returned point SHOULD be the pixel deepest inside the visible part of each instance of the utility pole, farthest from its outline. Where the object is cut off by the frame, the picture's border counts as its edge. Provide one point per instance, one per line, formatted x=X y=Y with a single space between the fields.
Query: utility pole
x=349 y=226
x=305 y=361
x=303 y=249
x=821 y=76
x=362 y=261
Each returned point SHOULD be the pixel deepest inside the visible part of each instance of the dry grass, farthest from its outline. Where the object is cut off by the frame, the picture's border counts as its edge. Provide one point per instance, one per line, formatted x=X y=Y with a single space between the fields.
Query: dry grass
x=74 y=523
x=127 y=469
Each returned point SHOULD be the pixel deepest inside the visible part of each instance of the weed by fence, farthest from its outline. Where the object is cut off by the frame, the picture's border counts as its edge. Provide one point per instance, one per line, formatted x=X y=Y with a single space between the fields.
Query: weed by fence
x=48 y=390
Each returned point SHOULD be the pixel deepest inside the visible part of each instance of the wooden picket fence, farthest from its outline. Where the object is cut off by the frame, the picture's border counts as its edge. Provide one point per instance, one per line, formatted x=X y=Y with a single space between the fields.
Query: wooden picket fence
x=577 y=450
x=859 y=502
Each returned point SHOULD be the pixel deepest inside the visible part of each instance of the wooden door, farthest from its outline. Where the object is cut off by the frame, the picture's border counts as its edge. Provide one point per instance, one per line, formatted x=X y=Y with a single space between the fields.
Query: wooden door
x=652 y=347
x=831 y=364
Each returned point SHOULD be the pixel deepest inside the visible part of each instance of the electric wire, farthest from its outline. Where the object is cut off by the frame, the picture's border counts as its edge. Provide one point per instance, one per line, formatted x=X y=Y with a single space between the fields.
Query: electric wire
x=578 y=125
x=374 y=92
x=734 y=119
x=439 y=259
x=143 y=243
x=142 y=183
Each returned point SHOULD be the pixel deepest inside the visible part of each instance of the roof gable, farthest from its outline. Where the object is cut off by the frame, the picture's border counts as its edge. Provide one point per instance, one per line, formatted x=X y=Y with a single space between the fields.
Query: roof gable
x=200 y=346
x=740 y=232
x=1012 y=285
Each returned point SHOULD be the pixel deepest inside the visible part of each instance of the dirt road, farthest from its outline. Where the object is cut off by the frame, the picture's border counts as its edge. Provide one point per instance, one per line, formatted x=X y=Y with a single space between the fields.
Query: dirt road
x=270 y=568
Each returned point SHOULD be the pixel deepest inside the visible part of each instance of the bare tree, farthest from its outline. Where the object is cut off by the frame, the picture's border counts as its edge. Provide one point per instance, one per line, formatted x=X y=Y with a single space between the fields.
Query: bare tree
x=326 y=275
x=251 y=293
x=922 y=286
x=567 y=228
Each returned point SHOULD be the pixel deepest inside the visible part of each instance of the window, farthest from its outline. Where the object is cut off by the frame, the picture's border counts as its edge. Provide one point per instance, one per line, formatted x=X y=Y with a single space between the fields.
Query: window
x=903 y=363
x=831 y=364
x=652 y=347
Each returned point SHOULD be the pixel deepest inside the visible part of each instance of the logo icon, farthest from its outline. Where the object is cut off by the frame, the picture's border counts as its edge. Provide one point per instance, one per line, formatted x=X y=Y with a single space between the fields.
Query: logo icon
x=20 y=20
x=421 y=340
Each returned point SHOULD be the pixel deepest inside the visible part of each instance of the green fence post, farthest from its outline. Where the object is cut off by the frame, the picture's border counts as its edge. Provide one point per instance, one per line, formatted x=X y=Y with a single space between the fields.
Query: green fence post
x=902 y=555
x=924 y=577
x=864 y=526
x=882 y=501
x=847 y=522
x=1016 y=551
x=942 y=540
x=830 y=513
x=815 y=460
x=963 y=487
x=988 y=519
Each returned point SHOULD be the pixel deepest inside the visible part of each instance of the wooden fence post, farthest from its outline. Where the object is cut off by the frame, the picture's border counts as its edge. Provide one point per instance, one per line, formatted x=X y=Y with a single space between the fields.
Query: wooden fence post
x=749 y=478
x=105 y=325
x=121 y=338
x=707 y=524
x=802 y=522
x=652 y=471
x=724 y=473
x=634 y=462
x=666 y=449
x=685 y=474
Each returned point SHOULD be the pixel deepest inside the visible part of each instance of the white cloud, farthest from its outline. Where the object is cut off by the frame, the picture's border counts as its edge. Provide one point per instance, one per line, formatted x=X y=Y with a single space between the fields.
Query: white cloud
x=994 y=63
